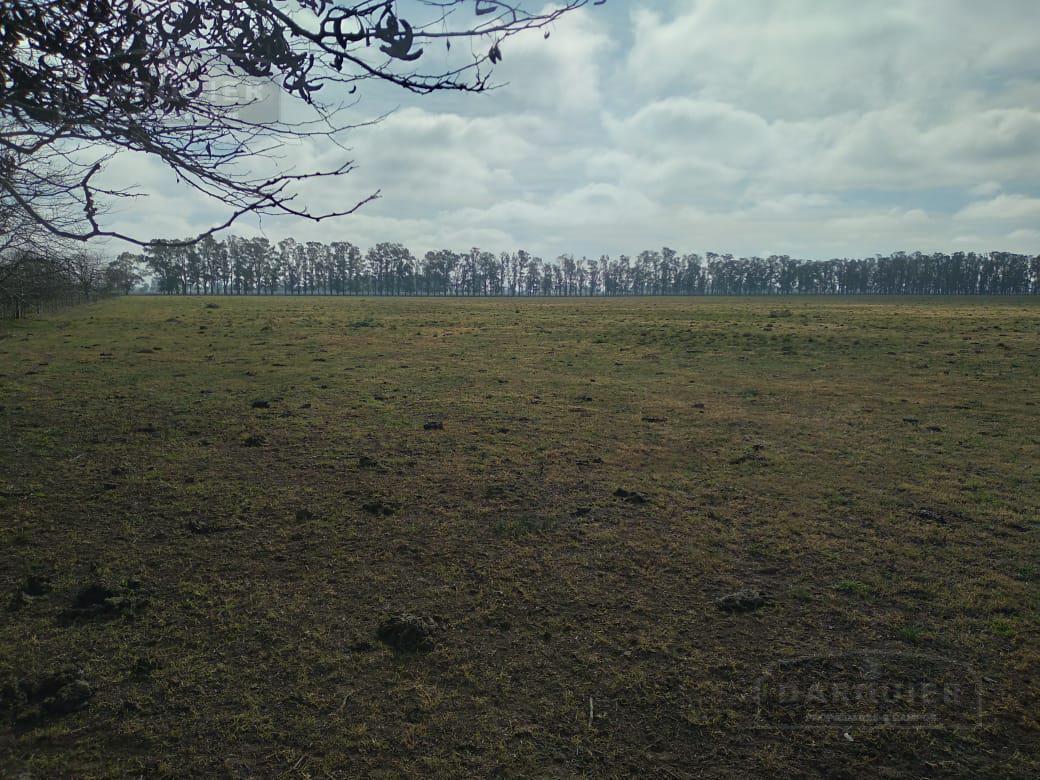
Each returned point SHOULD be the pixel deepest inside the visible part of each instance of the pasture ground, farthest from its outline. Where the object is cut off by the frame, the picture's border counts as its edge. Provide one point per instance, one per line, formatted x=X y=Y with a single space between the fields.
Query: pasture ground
x=192 y=583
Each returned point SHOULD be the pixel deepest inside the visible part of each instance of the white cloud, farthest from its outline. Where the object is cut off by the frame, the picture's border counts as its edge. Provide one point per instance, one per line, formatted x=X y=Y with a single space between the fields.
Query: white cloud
x=986 y=188
x=803 y=58
x=1003 y=207
x=1026 y=236
x=561 y=74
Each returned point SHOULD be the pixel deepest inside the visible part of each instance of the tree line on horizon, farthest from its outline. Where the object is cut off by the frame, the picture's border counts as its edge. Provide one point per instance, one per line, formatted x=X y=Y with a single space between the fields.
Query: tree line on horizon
x=255 y=266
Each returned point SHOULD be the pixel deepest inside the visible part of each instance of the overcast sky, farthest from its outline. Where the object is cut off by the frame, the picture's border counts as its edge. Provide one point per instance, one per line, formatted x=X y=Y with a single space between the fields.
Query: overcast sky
x=815 y=128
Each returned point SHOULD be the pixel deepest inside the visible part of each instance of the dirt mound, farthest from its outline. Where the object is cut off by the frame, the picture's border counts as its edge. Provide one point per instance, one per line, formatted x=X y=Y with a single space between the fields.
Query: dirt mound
x=99 y=602
x=744 y=600
x=407 y=633
x=50 y=695
x=630 y=496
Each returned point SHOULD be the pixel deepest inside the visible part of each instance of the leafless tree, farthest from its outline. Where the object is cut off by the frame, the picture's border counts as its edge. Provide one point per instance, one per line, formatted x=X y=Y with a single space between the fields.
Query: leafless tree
x=86 y=270
x=84 y=80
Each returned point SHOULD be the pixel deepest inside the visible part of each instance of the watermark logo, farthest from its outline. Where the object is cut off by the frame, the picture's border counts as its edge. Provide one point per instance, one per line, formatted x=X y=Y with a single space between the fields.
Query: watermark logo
x=251 y=100
x=878 y=689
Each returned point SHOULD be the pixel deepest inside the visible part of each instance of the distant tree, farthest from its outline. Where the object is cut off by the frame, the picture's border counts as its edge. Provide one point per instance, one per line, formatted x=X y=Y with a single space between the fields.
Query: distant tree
x=122 y=274
x=166 y=263
x=87 y=270
x=439 y=271
x=388 y=263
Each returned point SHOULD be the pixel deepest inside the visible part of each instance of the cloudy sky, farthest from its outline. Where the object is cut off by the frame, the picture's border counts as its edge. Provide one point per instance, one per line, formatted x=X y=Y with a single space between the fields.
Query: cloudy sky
x=816 y=128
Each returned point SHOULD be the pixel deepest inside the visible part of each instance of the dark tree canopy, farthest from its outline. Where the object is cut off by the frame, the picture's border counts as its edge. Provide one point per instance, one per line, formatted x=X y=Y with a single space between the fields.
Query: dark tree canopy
x=256 y=266
x=81 y=81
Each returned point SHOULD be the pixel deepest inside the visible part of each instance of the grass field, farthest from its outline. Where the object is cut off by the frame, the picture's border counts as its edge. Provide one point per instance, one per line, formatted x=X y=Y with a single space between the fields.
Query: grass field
x=208 y=507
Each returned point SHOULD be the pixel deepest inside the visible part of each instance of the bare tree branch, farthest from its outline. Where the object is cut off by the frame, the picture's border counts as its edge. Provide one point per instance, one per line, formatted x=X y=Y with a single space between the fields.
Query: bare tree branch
x=81 y=81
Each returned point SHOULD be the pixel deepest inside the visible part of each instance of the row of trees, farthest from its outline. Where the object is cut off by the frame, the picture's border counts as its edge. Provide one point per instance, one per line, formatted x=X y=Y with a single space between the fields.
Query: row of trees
x=255 y=266
x=34 y=282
